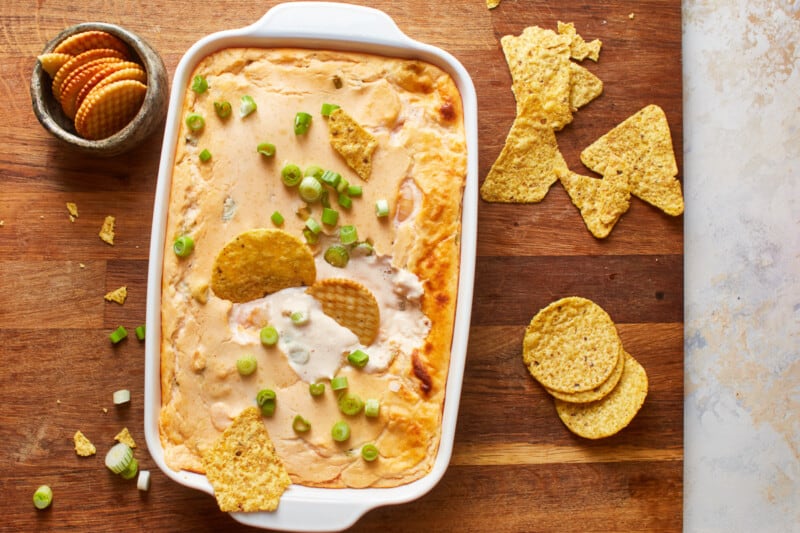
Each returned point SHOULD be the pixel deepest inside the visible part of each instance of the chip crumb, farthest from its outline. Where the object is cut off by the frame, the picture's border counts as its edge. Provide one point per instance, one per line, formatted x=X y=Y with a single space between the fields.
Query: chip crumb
x=117 y=295
x=72 y=208
x=83 y=446
x=243 y=467
x=2 y=223
x=107 y=231
x=105 y=410
x=125 y=436
x=81 y=265
x=491 y=4
x=631 y=16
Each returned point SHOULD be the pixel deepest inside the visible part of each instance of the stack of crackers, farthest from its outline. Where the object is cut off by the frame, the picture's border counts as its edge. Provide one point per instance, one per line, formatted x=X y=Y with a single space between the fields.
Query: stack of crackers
x=96 y=81
x=573 y=350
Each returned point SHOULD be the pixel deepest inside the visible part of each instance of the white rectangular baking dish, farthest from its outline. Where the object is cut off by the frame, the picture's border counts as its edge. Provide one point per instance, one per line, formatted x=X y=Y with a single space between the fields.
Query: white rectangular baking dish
x=317 y=25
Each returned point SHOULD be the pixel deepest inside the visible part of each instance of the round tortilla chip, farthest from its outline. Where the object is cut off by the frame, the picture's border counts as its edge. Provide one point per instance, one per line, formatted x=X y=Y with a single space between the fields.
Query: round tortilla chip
x=571 y=345
x=608 y=416
x=595 y=394
x=259 y=262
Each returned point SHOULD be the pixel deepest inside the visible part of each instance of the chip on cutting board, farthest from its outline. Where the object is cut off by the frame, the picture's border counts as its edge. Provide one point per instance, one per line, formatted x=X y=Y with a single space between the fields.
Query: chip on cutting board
x=527 y=166
x=595 y=394
x=579 y=48
x=243 y=468
x=601 y=201
x=261 y=261
x=571 y=345
x=584 y=86
x=643 y=144
x=350 y=304
x=355 y=144
x=83 y=446
x=611 y=414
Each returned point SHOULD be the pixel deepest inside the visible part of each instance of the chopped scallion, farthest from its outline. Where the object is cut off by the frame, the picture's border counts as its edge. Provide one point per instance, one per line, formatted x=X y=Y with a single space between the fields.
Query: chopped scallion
x=277 y=218
x=339 y=383
x=313 y=226
x=121 y=396
x=140 y=332
x=43 y=497
x=246 y=364
x=302 y=121
x=118 y=334
x=183 y=246
x=291 y=175
x=369 y=452
x=119 y=457
x=269 y=335
x=350 y=404
x=343 y=186
x=195 y=122
x=223 y=109
x=199 y=84
x=382 y=208
x=311 y=237
x=205 y=155
x=348 y=234
x=313 y=170
x=372 y=407
x=340 y=431
x=310 y=189
x=247 y=106
x=264 y=396
x=299 y=318
x=337 y=255
x=131 y=471
x=327 y=109
x=316 y=389
x=358 y=358
x=266 y=149
x=330 y=177
x=143 y=481
x=354 y=190
x=345 y=201
x=300 y=424
x=330 y=216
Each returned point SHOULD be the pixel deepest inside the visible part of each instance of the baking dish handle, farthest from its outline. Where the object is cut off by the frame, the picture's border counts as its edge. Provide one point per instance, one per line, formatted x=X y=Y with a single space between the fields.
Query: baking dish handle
x=328 y=20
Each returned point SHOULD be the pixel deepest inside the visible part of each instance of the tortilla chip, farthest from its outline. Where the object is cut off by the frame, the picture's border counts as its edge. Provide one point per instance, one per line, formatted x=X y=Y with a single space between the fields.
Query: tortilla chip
x=83 y=446
x=584 y=86
x=107 y=231
x=579 y=48
x=243 y=468
x=571 y=345
x=598 y=393
x=643 y=144
x=355 y=144
x=72 y=209
x=125 y=436
x=528 y=165
x=601 y=201
x=491 y=4
x=540 y=75
x=117 y=295
x=608 y=416
x=259 y=262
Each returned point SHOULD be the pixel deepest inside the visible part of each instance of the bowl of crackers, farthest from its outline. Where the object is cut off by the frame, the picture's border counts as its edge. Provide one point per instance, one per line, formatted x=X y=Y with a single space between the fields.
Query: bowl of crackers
x=99 y=88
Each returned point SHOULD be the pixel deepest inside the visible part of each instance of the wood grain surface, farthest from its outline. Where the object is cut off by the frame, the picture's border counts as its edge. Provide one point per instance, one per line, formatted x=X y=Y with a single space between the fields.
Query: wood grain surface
x=515 y=468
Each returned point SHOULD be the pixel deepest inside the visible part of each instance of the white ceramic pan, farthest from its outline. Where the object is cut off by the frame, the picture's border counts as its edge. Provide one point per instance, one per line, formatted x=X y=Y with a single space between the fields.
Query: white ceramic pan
x=317 y=25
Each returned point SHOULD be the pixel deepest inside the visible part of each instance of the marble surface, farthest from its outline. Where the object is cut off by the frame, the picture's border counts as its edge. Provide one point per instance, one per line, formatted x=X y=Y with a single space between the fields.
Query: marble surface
x=742 y=245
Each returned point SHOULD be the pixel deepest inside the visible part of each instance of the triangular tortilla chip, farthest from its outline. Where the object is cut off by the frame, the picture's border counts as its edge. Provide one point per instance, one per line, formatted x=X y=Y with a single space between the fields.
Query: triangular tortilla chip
x=601 y=201
x=242 y=466
x=584 y=86
x=355 y=144
x=643 y=145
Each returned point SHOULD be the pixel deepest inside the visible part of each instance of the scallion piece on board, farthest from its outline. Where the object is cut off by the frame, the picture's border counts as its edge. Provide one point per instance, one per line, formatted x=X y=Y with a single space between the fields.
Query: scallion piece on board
x=118 y=334
x=121 y=396
x=119 y=457
x=43 y=497
x=143 y=481
x=140 y=332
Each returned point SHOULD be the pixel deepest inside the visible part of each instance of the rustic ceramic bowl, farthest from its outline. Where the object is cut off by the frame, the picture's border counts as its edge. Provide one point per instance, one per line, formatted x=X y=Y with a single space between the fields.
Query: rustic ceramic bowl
x=149 y=119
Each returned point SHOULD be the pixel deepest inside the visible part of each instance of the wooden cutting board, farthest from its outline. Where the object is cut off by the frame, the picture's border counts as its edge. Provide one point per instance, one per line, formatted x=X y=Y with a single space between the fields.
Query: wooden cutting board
x=515 y=467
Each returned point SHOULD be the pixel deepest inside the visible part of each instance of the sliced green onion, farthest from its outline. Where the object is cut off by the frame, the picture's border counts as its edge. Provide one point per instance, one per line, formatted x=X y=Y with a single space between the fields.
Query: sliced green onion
x=205 y=155
x=269 y=335
x=327 y=109
x=372 y=407
x=183 y=246
x=119 y=457
x=291 y=175
x=350 y=404
x=264 y=396
x=382 y=208
x=247 y=106
x=140 y=332
x=324 y=199
x=348 y=234
x=195 y=122
x=199 y=84
x=310 y=189
x=358 y=358
x=342 y=186
x=313 y=226
x=118 y=334
x=316 y=389
x=43 y=497
x=266 y=149
x=223 y=109
x=277 y=218
x=121 y=396
x=302 y=121
x=143 y=481
x=311 y=237
x=369 y=452
x=246 y=364
x=340 y=431
x=339 y=383
x=354 y=190
x=337 y=255
x=329 y=216
x=268 y=409
x=300 y=424
x=131 y=471
x=313 y=170
x=345 y=201
x=364 y=248
x=330 y=177
x=299 y=318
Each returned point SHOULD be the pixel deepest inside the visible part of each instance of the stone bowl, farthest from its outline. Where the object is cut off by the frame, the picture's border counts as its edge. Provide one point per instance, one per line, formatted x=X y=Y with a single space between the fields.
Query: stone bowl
x=147 y=121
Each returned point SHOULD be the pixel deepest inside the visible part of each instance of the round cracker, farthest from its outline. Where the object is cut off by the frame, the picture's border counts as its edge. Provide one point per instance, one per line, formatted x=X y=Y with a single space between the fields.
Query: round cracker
x=595 y=394
x=75 y=81
x=259 y=262
x=350 y=304
x=571 y=345
x=89 y=40
x=76 y=62
x=122 y=70
x=608 y=416
x=108 y=109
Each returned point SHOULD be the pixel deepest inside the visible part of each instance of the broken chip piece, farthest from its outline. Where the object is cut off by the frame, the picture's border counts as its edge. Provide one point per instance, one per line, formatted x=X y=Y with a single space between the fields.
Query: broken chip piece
x=579 y=48
x=355 y=144
x=107 y=230
x=261 y=261
x=601 y=201
x=125 y=436
x=243 y=468
x=83 y=446
x=117 y=295
x=643 y=145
